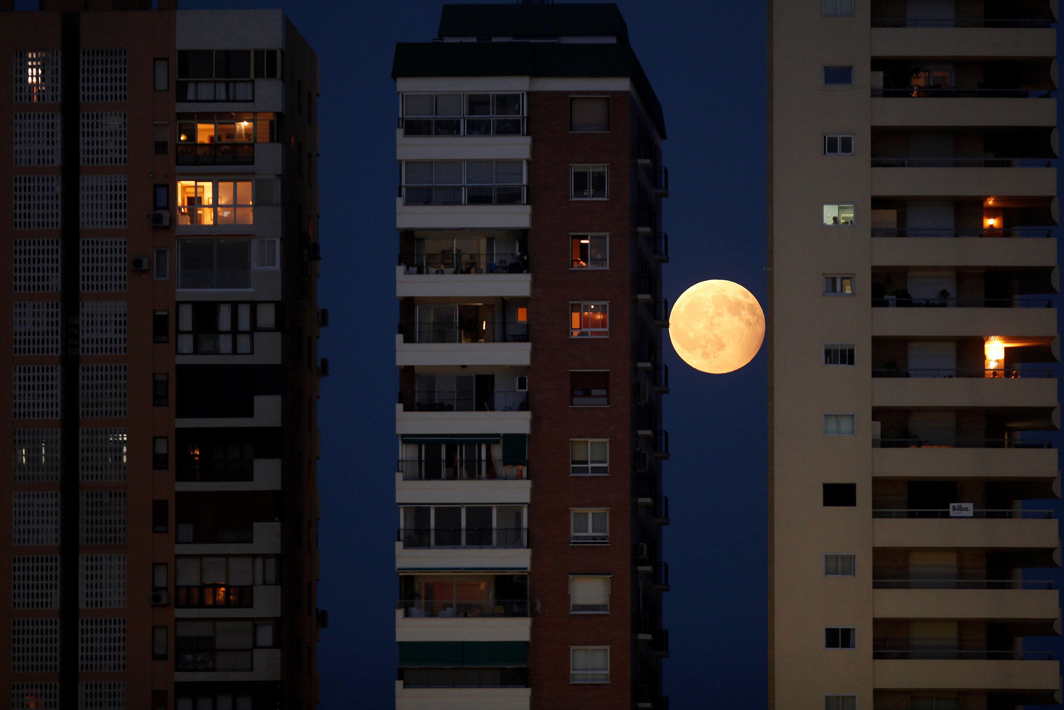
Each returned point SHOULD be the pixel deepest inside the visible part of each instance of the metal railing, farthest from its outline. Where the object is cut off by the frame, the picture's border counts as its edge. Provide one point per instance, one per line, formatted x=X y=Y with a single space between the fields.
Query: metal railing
x=464 y=677
x=957 y=92
x=450 y=608
x=903 y=300
x=210 y=596
x=464 y=194
x=437 y=400
x=190 y=535
x=981 y=513
x=957 y=443
x=463 y=125
x=214 y=470
x=964 y=21
x=475 y=470
x=215 y=153
x=961 y=654
x=917 y=583
x=1000 y=373
x=950 y=232
x=212 y=660
x=461 y=262
x=464 y=537
x=962 y=162
x=482 y=331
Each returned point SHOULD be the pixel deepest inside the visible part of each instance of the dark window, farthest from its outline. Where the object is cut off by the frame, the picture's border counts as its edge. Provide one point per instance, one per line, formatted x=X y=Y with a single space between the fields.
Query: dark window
x=160 y=327
x=840 y=637
x=161 y=197
x=162 y=74
x=266 y=64
x=214 y=263
x=161 y=264
x=160 y=453
x=224 y=390
x=159 y=700
x=232 y=64
x=840 y=494
x=161 y=147
x=160 y=389
x=589 y=114
x=589 y=389
x=160 y=516
x=224 y=454
x=838 y=75
x=195 y=64
x=160 y=643
x=160 y=582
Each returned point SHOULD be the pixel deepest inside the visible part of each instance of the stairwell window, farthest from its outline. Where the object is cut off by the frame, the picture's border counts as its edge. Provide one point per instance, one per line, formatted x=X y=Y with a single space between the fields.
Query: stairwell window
x=838 y=75
x=838 y=424
x=589 y=664
x=589 y=526
x=840 y=565
x=840 y=637
x=588 y=182
x=839 y=144
x=839 y=214
x=589 y=319
x=838 y=285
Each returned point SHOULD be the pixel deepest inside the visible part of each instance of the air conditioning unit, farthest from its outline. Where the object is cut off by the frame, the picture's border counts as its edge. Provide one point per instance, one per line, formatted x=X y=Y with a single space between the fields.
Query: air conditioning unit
x=141 y=264
x=160 y=597
x=160 y=218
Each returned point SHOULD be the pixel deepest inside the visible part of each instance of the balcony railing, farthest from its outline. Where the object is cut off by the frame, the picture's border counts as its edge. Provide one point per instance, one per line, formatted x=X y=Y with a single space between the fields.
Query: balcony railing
x=192 y=660
x=467 y=263
x=958 y=92
x=463 y=126
x=962 y=162
x=1045 y=232
x=961 y=654
x=215 y=153
x=511 y=538
x=982 y=513
x=482 y=331
x=917 y=583
x=903 y=300
x=464 y=677
x=188 y=534
x=464 y=195
x=214 y=596
x=958 y=443
x=969 y=21
x=436 y=400
x=450 y=609
x=999 y=373
x=213 y=470
x=475 y=470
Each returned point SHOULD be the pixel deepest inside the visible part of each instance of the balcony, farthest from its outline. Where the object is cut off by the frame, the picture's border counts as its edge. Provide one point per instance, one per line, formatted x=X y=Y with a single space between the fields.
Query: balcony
x=473 y=548
x=974 y=461
x=478 y=621
x=463 y=206
x=947 y=248
x=958 y=602
x=968 y=673
x=486 y=342
x=198 y=666
x=215 y=154
x=227 y=601
x=963 y=37
x=438 y=695
x=1022 y=177
x=964 y=388
x=917 y=533
x=1023 y=317
x=436 y=418
x=259 y=539
x=234 y=475
x=480 y=275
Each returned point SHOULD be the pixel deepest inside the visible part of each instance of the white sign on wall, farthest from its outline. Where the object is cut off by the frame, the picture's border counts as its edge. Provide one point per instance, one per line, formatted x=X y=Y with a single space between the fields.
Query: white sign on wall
x=961 y=510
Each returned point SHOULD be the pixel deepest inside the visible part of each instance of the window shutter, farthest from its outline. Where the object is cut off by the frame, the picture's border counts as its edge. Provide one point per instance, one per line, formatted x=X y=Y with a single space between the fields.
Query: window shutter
x=590 y=592
x=514 y=449
x=590 y=114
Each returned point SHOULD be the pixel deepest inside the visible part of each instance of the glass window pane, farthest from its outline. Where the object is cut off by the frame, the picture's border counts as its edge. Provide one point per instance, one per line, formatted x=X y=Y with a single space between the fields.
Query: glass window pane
x=233 y=635
x=188 y=572
x=265 y=315
x=234 y=263
x=418 y=172
x=240 y=571
x=419 y=105
x=599 y=451
x=479 y=105
x=590 y=114
x=225 y=193
x=509 y=172
x=213 y=570
x=448 y=172
x=508 y=104
x=449 y=105
x=480 y=172
x=197 y=263
x=243 y=193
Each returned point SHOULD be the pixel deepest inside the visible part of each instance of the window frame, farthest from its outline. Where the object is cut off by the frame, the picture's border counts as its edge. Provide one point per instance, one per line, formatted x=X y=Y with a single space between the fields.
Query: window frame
x=464 y=116
x=577 y=237
x=586 y=308
x=186 y=337
x=272 y=245
x=589 y=537
x=590 y=169
x=575 y=577
x=160 y=643
x=838 y=206
x=591 y=464
x=851 y=555
x=160 y=256
x=839 y=138
x=840 y=631
x=828 y=68
x=835 y=285
x=215 y=206
x=160 y=453
x=162 y=63
x=183 y=241
x=838 y=351
x=842 y=417
x=597 y=679
x=572 y=392
x=596 y=97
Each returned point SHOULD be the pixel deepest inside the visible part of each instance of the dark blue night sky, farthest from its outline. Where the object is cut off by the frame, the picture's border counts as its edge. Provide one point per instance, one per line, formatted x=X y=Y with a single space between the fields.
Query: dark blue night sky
x=706 y=60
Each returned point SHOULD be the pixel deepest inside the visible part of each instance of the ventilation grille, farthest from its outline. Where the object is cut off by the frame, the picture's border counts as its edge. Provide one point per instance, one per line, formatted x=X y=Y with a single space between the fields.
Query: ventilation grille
x=110 y=695
x=35 y=519
x=35 y=582
x=103 y=517
x=103 y=391
x=103 y=75
x=35 y=645
x=36 y=393
x=37 y=77
x=103 y=138
x=36 y=456
x=103 y=455
x=103 y=328
x=36 y=268
x=104 y=201
x=103 y=648
x=37 y=202
x=40 y=696
x=36 y=139
x=103 y=582
x=104 y=265
x=36 y=326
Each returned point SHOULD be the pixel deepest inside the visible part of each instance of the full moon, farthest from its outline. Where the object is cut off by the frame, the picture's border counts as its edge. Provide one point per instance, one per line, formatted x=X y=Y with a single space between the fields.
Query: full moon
x=716 y=326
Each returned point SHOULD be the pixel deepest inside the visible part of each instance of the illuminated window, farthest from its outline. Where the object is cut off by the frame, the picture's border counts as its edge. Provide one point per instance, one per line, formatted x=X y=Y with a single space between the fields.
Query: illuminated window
x=840 y=565
x=589 y=527
x=838 y=424
x=840 y=637
x=838 y=144
x=215 y=202
x=841 y=285
x=839 y=214
x=589 y=594
x=38 y=77
x=588 y=182
x=834 y=75
x=589 y=457
x=522 y=314
x=589 y=251
x=589 y=319
x=589 y=664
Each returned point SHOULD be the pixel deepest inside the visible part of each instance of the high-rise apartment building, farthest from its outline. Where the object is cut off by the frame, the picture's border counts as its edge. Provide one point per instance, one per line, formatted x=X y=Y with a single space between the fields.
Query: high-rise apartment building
x=159 y=320
x=530 y=375
x=913 y=261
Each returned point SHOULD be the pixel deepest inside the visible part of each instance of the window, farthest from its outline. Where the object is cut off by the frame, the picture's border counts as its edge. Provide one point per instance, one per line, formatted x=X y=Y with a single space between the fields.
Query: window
x=840 y=565
x=589 y=113
x=214 y=263
x=589 y=594
x=209 y=137
x=587 y=182
x=841 y=285
x=160 y=453
x=161 y=137
x=589 y=251
x=838 y=75
x=840 y=495
x=589 y=527
x=224 y=582
x=161 y=265
x=840 y=637
x=207 y=645
x=161 y=74
x=838 y=424
x=589 y=457
x=224 y=74
x=837 y=354
x=266 y=254
x=160 y=643
x=161 y=197
x=838 y=144
x=463 y=182
x=215 y=202
x=160 y=700
x=160 y=327
x=589 y=389
x=589 y=664
x=160 y=577
x=160 y=516
x=839 y=214
x=160 y=389
x=213 y=328
x=842 y=702
x=589 y=319
x=463 y=115
x=837 y=8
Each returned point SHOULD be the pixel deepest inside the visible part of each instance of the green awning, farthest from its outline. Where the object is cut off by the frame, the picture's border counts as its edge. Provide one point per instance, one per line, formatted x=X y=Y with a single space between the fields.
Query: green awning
x=444 y=439
x=463 y=654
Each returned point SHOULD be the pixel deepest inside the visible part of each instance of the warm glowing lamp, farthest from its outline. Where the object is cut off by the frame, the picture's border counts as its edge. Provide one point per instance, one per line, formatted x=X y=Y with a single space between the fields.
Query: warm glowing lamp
x=994 y=349
x=991 y=223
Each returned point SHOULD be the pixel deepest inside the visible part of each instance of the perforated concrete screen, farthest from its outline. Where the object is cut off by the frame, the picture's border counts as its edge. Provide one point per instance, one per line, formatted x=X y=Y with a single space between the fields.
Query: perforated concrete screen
x=103 y=138
x=103 y=646
x=36 y=267
x=35 y=645
x=35 y=582
x=103 y=391
x=103 y=517
x=35 y=139
x=102 y=581
x=37 y=202
x=37 y=76
x=35 y=518
x=36 y=328
x=103 y=75
x=104 y=454
x=104 y=265
x=36 y=392
x=44 y=696
x=105 y=695
x=103 y=328
x=104 y=201
x=36 y=456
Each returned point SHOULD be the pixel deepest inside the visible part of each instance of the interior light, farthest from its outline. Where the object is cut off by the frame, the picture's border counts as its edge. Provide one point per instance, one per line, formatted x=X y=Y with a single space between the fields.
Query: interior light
x=994 y=349
x=585 y=241
x=183 y=137
x=991 y=223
